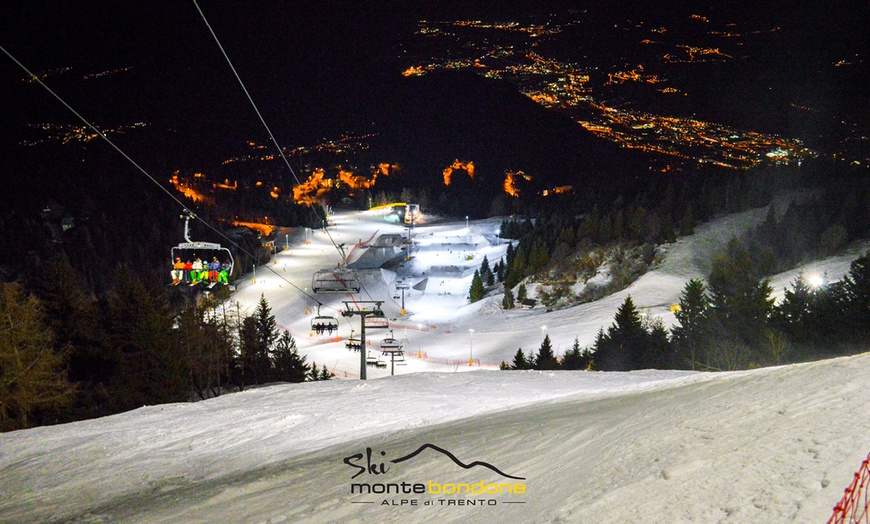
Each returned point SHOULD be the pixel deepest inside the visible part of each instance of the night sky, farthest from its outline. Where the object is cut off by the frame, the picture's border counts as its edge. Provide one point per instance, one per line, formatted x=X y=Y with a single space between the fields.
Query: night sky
x=320 y=69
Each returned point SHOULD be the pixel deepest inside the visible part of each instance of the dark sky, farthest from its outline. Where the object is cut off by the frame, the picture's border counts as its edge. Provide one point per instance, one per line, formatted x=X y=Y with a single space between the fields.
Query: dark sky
x=320 y=68
x=297 y=61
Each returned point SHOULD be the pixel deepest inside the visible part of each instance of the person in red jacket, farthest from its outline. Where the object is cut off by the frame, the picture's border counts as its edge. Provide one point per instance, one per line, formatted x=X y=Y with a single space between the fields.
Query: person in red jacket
x=213 y=268
x=188 y=272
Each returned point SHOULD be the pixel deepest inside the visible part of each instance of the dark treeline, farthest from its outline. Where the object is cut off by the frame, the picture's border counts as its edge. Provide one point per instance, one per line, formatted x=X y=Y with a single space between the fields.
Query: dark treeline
x=68 y=356
x=820 y=224
x=729 y=323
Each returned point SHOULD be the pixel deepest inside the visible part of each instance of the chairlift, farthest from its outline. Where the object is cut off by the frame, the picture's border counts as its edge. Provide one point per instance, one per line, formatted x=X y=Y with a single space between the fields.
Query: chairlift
x=321 y=324
x=335 y=282
x=377 y=321
x=353 y=343
x=390 y=344
x=397 y=356
x=196 y=262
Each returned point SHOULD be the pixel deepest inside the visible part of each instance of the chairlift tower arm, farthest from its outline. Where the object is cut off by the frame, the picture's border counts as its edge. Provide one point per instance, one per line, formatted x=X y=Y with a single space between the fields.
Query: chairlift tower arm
x=362 y=312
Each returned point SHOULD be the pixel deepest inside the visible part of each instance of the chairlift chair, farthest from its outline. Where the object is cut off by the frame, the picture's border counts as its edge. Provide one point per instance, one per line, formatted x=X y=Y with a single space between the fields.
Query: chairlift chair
x=390 y=344
x=396 y=356
x=353 y=343
x=335 y=282
x=377 y=321
x=206 y=251
x=324 y=324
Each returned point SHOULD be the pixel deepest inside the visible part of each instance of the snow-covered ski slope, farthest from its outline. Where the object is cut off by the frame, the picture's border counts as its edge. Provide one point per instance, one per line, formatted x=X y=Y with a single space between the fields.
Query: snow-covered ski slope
x=769 y=445
x=440 y=324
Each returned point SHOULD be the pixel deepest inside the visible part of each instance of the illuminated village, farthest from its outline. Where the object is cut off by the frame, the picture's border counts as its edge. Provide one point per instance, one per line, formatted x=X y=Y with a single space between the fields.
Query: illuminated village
x=591 y=94
x=508 y=51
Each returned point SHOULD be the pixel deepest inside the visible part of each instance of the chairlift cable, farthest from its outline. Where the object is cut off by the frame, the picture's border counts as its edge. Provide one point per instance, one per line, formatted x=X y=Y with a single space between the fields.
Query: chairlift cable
x=245 y=89
x=87 y=123
x=144 y=172
x=268 y=130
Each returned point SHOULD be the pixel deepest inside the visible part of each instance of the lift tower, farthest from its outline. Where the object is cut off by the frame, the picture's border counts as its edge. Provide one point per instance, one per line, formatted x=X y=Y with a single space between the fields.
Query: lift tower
x=366 y=309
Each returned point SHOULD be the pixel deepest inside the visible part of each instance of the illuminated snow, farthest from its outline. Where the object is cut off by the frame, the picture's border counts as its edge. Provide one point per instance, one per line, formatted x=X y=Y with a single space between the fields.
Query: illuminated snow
x=768 y=445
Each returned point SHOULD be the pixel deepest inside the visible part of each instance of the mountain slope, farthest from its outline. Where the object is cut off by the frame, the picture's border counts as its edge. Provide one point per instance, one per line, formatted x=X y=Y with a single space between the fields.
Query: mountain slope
x=769 y=445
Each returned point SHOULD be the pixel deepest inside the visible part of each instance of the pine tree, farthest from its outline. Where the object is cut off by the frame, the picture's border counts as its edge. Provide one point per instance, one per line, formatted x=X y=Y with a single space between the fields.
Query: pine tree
x=658 y=352
x=741 y=306
x=498 y=269
x=267 y=329
x=150 y=370
x=207 y=346
x=687 y=223
x=856 y=286
x=289 y=365
x=510 y=253
x=70 y=312
x=796 y=312
x=538 y=258
x=315 y=375
x=546 y=359
x=508 y=301
x=518 y=267
x=32 y=377
x=255 y=364
x=73 y=315
x=477 y=291
x=690 y=335
x=576 y=357
x=486 y=274
x=509 y=276
x=622 y=347
x=257 y=337
x=520 y=361
x=521 y=292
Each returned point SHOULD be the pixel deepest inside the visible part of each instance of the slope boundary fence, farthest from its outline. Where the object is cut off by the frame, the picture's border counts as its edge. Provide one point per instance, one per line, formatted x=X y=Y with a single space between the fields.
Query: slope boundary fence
x=853 y=507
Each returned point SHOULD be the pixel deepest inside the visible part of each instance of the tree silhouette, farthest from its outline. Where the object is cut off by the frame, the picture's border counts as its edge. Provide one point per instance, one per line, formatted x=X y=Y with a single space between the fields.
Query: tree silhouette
x=289 y=365
x=477 y=291
x=508 y=301
x=577 y=357
x=486 y=273
x=150 y=370
x=545 y=358
x=693 y=316
x=32 y=376
x=621 y=348
x=520 y=361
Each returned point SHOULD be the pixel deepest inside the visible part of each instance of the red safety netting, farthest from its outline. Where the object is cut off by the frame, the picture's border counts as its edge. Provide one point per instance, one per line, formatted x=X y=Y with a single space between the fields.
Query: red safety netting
x=853 y=508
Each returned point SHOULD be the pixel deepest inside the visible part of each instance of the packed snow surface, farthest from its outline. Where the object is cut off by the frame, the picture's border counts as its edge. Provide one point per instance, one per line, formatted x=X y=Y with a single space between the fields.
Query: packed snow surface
x=768 y=445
